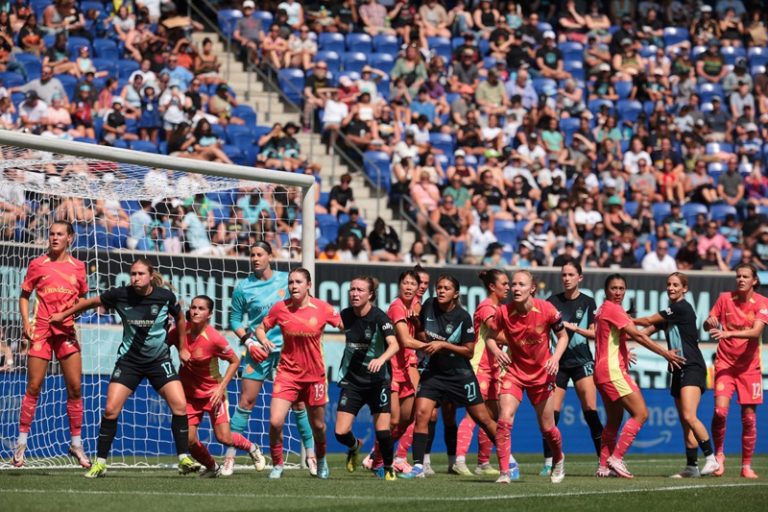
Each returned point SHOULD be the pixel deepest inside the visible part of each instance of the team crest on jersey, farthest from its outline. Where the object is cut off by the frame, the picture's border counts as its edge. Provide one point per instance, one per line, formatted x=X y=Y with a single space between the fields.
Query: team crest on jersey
x=38 y=346
x=155 y=309
x=343 y=400
x=313 y=321
x=249 y=369
x=668 y=311
x=579 y=314
x=449 y=329
x=281 y=293
x=116 y=373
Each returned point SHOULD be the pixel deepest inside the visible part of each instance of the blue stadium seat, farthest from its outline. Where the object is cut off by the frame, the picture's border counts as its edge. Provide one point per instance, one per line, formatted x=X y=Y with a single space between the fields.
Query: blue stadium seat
x=596 y=104
x=628 y=110
x=382 y=61
x=543 y=26
x=354 y=61
x=11 y=79
x=246 y=113
x=456 y=42
x=675 y=35
x=108 y=65
x=119 y=238
x=68 y=82
x=708 y=91
x=623 y=89
x=227 y=19
x=386 y=44
x=631 y=208
x=443 y=142
x=329 y=226
x=359 y=42
x=86 y=140
x=540 y=83
x=691 y=210
x=332 y=42
x=758 y=56
x=106 y=49
x=265 y=17
x=660 y=211
x=291 y=82
x=377 y=167
x=232 y=131
x=331 y=58
x=571 y=50
x=568 y=127
x=718 y=211
x=716 y=147
x=144 y=146
x=74 y=43
x=125 y=67
x=731 y=53
x=441 y=46
x=575 y=68
x=234 y=153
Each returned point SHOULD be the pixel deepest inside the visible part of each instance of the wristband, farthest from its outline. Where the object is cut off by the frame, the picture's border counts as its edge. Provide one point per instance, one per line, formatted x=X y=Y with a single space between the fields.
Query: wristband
x=246 y=336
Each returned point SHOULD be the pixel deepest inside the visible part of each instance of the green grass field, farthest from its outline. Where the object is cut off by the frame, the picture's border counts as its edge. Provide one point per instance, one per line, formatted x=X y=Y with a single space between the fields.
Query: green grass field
x=164 y=490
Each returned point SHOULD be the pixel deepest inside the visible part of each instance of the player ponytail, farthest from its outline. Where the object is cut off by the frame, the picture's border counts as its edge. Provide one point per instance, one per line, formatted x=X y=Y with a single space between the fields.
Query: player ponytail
x=490 y=276
x=307 y=276
x=157 y=277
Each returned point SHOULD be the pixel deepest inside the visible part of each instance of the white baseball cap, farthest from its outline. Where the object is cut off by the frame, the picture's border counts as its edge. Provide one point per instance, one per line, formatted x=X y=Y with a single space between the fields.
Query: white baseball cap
x=249 y=3
x=549 y=35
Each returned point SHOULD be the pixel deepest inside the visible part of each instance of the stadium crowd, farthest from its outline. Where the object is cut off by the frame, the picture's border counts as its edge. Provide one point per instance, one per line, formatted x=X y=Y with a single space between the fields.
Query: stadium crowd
x=620 y=133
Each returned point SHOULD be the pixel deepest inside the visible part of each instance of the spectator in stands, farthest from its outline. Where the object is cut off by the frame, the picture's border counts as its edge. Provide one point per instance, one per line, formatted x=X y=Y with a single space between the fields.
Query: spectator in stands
x=301 y=50
x=295 y=13
x=447 y=228
x=353 y=227
x=411 y=68
x=315 y=88
x=85 y=65
x=248 y=32
x=426 y=196
x=416 y=254
x=329 y=253
x=491 y=97
x=221 y=105
x=150 y=120
x=659 y=260
x=115 y=125
x=485 y=18
x=373 y=16
x=549 y=59
x=31 y=36
x=32 y=113
x=730 y=184
x=57 y=114
x=206 y=64
x=274 y=47
x=122 y=22
x=45 y=87
x=479 y=238
x=179 y=75
x=140 y=222
x=342 y=198
x=713 y=239
x=351 y=248
x=384 y=242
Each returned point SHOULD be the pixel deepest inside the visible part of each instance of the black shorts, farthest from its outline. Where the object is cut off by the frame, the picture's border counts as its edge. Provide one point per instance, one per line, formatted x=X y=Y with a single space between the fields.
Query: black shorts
x=130 y=375
x=462 y=390
x=353 y=398
x=688 y=376
x=574 y=373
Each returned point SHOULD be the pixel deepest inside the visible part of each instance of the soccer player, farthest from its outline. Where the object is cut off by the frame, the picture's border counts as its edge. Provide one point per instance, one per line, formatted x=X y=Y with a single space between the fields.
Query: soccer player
x=301 y=369
x=58 y=280
x=206 y=389
x=736 y=322
x=364 y=376
x=447 y=340
x=613 y=327
x=526 y=323
x=145 y=308
x=488 y=373
x=577 y=364
x=253 y=297
x=688 y=383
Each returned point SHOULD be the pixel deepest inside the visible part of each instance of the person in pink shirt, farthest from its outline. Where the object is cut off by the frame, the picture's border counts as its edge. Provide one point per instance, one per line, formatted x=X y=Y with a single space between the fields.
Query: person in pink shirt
x=426 y=197
x=712 y=238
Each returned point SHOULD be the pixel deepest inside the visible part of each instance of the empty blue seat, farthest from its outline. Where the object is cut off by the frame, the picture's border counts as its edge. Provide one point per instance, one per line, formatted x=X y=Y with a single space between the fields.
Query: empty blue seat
x=331 y=58
x=443 y=142
x=718 y=211
x=291 y=82
x=144 y=146
x=675 y=35
x=332 y=42
x=539 y=84
x=106 y=49
x=691 y=210
x=596 y=104
x=354 y=61
x=329 y=226
x=731 y=53
x=265 y=17
x=377 y=167
x=708 y=91
x=74 y=43
x=383 y=43
x=628 y=110
x=359 y=42
x=125 y=67
x=108 y=65
x=246 y=113
x=382 y=61
x=68 y=82
x=660 y=211
x=11 y=79
x=232 y=131
x=234 y=153
x=227 y=19
x=631 y=208
x=571 y=50
x=758 y=56
x=441 y=46
x=623 y=89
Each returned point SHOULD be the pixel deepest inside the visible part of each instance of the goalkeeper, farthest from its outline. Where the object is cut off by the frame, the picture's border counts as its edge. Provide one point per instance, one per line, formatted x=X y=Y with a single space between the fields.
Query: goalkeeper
x=253 y=297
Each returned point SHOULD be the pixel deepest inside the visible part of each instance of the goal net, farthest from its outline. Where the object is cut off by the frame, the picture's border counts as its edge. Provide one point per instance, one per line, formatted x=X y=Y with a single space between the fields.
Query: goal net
x=195 y=220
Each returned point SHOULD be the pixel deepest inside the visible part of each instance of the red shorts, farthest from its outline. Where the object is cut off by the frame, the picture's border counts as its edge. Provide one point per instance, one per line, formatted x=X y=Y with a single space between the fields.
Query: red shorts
x=403 y=388
x=615 y=389
x=748 y=385
x=413 y=359
x=311 y=393
x=63 y=345
x=537 y=393
x=489 y=383
x=196 y=407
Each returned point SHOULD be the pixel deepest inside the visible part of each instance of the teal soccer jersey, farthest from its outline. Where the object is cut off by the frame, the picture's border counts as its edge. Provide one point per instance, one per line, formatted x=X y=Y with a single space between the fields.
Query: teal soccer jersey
x=145 y=321
x=253 y=298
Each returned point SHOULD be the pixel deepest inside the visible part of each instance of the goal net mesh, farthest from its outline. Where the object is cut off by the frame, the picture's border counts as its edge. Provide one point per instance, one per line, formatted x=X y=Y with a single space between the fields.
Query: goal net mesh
x=195 y=228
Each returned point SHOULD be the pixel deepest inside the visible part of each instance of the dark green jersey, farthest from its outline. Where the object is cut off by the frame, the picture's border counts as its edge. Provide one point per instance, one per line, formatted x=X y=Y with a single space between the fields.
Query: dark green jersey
x=580 y=311
x=682 y=333
x=145 y=321
x=455 y=327
x=365 y=341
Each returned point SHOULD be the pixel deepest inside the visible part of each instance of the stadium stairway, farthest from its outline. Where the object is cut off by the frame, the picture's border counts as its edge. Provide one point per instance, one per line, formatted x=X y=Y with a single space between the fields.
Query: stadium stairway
x=269 y=110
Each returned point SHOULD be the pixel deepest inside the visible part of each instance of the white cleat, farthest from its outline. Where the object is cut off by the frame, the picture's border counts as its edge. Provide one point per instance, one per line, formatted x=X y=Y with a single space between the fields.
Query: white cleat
x=710 y=466
x=504 y=478
x=18 y=455
x=605 y=472
x=312 y=465
x=428 y=471
x=558 y=471
x=688 y=472
x=228 y=467
x=259 y=462
x=276 y=473
x=78 y=453
x=460 y=468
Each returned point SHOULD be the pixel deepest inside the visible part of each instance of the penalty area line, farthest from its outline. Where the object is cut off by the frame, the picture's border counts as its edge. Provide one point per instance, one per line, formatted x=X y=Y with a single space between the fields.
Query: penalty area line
x=432 y=499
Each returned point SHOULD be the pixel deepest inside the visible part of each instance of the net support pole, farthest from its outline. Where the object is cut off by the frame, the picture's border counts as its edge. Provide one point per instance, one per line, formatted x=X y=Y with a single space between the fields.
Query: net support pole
x=308 y=229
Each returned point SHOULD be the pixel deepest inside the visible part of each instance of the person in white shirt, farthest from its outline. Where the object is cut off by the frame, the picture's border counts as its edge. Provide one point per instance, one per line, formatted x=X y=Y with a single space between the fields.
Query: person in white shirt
x=660 y=260
x=634 y=155
x=334 y=113
x=531 y=153
x=479 y=237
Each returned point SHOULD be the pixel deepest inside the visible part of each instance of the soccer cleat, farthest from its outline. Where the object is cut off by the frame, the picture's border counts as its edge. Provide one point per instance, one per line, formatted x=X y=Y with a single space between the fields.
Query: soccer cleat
x=619 y=467
x=213 y=472
x=188 y=465
x=78 y=453
x=259 y=462
x=605 y=472
x=416 y=472
x=514 y=471
x=389 y=474
x=228 y=467
x=322 y=469
x=558 y=472
x=504 y=478
x=276 y=473
x=18 y=455
x=460 y=468
x=710 y=466
x=98 y=469
x=748 y=472
x=428 y=471
x=368 y=462
x=402 y=466
x=721 y=462
x=546 y=470
x=486 y=469
x=688 y=472
x=311 y=465
x=353 y=456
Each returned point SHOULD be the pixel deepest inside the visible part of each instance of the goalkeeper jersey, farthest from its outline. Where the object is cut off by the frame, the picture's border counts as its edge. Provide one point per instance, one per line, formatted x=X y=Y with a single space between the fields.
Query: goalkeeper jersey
x=253 y=298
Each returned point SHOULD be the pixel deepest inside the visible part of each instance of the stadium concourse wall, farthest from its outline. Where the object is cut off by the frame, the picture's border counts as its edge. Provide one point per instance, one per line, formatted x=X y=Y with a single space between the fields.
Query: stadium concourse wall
x=216 y=277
